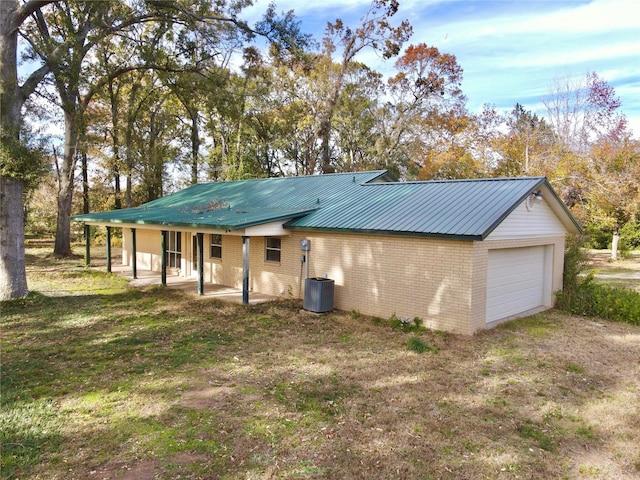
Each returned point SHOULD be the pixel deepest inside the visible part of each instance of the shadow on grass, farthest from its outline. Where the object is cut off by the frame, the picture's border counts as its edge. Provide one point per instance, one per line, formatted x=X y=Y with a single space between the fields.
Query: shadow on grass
x=199 y=388
x=59 y=346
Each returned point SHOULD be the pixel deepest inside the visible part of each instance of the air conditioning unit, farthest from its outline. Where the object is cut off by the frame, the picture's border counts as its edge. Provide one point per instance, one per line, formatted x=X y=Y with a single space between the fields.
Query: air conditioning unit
x=318 y=294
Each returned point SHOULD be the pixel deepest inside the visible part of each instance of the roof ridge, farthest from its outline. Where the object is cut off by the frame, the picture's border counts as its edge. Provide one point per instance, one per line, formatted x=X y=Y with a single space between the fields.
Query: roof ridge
x=288 y=177
x=460 y=180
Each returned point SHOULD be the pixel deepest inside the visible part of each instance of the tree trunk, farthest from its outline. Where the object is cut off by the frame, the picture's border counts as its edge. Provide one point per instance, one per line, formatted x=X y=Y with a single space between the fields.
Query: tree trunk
x=155 y=167
x=195 y=145
x=65 y=187
x=117 y=189
x=614 y=244
x=325 y=133
x=85 y=184
x=115 y=138
x=128 y=141
x=13 y=275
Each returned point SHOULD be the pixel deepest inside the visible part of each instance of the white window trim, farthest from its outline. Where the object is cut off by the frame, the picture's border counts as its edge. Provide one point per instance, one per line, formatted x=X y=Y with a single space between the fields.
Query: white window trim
x=212 y=244
x=268 y=249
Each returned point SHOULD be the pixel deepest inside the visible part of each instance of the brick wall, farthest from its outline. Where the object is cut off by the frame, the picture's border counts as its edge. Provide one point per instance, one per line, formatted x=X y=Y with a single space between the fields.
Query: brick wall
x=443 y=282
x=377 y=275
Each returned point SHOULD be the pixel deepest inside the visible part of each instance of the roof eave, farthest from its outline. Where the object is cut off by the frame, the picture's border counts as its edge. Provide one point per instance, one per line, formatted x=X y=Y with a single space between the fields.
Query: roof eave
x=286 y=217
x=449 y=236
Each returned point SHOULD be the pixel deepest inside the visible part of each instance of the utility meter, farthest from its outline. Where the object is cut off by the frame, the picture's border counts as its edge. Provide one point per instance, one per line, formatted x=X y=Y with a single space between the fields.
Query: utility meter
x=305 y=245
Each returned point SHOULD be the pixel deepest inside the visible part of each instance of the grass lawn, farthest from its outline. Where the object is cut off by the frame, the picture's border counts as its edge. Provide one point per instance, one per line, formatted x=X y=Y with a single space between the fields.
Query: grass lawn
x=625 y=272
x=101 y=381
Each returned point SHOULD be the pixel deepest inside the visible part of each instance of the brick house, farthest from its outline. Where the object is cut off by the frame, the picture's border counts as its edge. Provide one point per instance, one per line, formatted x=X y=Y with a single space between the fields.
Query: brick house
x=462 y=255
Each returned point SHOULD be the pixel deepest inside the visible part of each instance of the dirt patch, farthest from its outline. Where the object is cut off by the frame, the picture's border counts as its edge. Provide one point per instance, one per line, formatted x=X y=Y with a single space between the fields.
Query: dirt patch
x=145 y=469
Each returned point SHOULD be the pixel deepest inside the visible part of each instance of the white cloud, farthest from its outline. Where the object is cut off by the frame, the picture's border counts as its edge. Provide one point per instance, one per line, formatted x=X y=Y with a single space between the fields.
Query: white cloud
x=511 y=50
x=597 y=16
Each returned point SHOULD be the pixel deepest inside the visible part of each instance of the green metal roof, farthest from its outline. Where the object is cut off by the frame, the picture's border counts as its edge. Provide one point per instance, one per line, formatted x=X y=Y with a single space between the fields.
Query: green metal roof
x=240 y=204
x=468 y=209
x=350 y=202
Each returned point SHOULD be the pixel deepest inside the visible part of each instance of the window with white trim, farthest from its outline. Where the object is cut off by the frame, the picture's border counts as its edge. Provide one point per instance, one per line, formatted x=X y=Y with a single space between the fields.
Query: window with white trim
x=215 y=246
x=273 y=249
x=174 y=249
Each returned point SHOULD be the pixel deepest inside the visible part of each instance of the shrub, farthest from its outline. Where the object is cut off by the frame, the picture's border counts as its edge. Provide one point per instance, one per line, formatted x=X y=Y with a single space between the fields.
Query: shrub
x=582 y=296
x=406 y=324
x=630 y=235
x=417 y=345
x=603 y=301
x=598 y=237
x=575 y=262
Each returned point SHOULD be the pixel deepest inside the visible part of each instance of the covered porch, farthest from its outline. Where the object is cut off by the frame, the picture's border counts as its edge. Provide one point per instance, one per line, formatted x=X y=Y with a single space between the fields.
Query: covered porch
x=148 y=278
x=190 y=258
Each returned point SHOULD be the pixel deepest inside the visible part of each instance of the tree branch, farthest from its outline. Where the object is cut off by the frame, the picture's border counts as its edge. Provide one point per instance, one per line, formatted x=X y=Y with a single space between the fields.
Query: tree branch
x=26 y=10
x=32 y=83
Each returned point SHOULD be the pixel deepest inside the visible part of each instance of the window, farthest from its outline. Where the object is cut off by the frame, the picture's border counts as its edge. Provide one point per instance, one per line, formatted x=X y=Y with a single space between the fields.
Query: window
x=174 y=249
x=215 y=247
x=272 y=249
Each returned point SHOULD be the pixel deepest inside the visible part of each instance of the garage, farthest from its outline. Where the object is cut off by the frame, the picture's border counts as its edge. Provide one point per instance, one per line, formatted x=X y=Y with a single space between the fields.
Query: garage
x=517 y=280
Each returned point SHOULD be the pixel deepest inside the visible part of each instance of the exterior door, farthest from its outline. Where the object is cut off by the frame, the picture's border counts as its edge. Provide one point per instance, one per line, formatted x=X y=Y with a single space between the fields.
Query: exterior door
x=516 y=281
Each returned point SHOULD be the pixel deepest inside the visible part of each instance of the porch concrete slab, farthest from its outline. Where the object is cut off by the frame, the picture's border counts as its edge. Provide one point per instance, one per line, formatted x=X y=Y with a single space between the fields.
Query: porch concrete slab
x=147 y=278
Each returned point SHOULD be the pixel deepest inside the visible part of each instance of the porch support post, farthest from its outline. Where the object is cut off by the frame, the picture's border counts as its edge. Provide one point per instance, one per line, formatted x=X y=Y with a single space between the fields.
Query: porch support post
x=108 y=249
x=134 y=263
x=245 y=270
x=87 y=245
x=200 y=263
x=163 y=258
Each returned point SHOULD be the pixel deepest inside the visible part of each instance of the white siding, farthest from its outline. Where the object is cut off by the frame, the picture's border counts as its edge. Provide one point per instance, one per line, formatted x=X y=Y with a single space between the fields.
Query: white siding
x=516 y=281
x=539 y=221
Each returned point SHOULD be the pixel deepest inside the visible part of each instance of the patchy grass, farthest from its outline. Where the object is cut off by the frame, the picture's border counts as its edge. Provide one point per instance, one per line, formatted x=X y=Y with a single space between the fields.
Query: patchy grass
x=623 y=273
x=103 y=381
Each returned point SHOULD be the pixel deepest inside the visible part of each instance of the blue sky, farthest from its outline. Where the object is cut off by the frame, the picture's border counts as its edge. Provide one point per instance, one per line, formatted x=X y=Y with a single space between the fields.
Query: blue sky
x=510 y=50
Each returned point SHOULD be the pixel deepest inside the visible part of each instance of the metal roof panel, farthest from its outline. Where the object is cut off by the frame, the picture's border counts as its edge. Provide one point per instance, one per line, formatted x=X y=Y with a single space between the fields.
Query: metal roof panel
x=342 y=202
x=461 y=208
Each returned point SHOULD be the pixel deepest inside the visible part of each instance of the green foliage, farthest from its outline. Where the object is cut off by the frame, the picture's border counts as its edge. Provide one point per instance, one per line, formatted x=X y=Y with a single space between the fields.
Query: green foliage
x=582 y=296
x=602 y=301
x=574 y=367
x=575 y=261
x=41 y=208
x=630 y=235
x=598 y=236
x=99 y=236
x=22 y=159
x=529 y=430
x=27 y=428
x=406 y=324
x=587 y=432
x=418 y=345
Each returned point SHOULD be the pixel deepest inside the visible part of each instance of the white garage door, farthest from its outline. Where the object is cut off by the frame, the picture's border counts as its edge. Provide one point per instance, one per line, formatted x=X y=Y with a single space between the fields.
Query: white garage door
x=515 y=281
